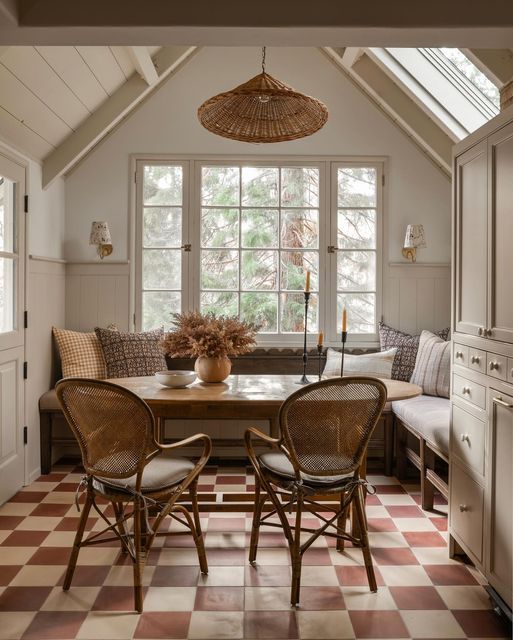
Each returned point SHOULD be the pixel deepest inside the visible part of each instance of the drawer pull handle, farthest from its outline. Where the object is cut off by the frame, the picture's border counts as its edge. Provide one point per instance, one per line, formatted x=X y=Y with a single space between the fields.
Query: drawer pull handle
x=463 y=508
x=464 y=437
x=503 y=403
x=459 y=354
x=475 y=359
x=465 y=390
x=481 y=331
x=488 y=333
x=494 y=366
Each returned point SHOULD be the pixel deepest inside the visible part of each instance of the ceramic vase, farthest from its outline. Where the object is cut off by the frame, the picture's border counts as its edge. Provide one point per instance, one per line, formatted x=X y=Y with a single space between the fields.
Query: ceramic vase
x=212 y=369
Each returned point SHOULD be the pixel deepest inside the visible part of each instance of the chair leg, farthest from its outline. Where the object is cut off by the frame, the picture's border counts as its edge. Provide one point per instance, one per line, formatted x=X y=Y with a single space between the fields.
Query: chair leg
x=427 y=491
x=358 y=502
x=138 y=552
x=255 y=527
x=342 y=522
x=122 y=529
x=198 y=533
x=72 y=563
x=295 y=553
x=401 y=435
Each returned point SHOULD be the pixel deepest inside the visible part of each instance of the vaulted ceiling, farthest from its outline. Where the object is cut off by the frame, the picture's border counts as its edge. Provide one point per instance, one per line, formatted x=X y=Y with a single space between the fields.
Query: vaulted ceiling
x=58 y=102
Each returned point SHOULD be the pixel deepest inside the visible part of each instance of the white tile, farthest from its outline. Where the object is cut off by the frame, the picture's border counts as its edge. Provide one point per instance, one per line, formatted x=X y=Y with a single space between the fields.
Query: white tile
x=17 y=508
x=38 y=523
x=59 y=539
x=206 y=625
x=316 y=576
x=361 y=599
x=33 y=575
x=273 y=556
x=432 y=624
x=14 y=624
x=60 y=497
x=314 y=625
x=386 y=539
x=184 y=556
x=123 y=576
x=108 y=625
x=223 y=577
x=76 y=599
x=351 y=556
x=267 y=598
x=396 y=499
x=97 y=555
x=433 y=555
x=221 y=540
x=405 y=576
x=376 y=511
x=16 y=555
x=464 y=597
x=414 y=524
x=170 y=599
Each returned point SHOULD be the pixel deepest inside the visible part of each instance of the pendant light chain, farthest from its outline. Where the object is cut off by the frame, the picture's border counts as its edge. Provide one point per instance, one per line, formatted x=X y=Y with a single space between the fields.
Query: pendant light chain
x=263 y=59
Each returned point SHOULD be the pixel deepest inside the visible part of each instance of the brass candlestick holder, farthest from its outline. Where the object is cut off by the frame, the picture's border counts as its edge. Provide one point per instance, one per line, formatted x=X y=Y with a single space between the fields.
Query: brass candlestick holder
x=304 y=379
x=344 y=338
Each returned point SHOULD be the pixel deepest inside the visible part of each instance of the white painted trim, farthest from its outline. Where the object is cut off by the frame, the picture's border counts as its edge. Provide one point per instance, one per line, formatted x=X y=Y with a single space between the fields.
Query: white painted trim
x=140 y=56
x=46 y=259
x=409 y=265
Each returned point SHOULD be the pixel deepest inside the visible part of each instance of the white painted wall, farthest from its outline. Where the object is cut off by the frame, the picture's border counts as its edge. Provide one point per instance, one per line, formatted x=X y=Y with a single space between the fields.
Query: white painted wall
x=99 y=188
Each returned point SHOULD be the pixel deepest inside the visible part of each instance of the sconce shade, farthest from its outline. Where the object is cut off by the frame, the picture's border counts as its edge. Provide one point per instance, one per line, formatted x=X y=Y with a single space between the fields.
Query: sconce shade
x=415 y=238
x=100 y=233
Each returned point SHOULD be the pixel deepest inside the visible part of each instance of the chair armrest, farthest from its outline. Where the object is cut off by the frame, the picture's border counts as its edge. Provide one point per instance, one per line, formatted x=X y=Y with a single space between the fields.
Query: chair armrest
x=261 y=436
x=205 y=454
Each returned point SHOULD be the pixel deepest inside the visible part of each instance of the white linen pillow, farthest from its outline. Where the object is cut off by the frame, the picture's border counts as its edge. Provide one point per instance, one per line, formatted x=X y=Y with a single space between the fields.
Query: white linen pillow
x=374 y=365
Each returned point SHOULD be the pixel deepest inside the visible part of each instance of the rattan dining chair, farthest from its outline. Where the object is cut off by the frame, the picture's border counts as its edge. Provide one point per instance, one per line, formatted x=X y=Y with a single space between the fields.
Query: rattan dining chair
x=126 y=466
x=324 y=431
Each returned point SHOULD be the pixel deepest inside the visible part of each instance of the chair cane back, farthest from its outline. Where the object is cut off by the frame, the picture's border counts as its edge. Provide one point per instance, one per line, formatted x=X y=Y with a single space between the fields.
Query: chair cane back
x=126 y=466
x=324 y=431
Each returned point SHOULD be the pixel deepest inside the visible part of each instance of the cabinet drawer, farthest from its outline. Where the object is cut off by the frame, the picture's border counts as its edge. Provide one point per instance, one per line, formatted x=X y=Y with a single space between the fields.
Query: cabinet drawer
x=467 y=510
x=477 y=359
x=470 y=391
x=510 y=370
x=497 y=366
x=468 y=439
x=460 y=354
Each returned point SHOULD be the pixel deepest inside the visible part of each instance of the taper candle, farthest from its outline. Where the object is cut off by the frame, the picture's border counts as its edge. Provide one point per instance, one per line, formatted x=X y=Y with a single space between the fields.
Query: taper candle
x=307 y=284
x=320 y=339
x=344 y=320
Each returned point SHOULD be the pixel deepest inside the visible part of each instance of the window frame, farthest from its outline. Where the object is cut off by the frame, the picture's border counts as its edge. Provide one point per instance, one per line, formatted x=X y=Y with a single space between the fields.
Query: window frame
x=328 y=165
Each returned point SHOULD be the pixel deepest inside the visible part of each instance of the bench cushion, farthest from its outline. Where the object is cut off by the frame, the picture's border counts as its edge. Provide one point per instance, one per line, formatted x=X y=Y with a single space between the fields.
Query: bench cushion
x=48 y=401
x=429 y=416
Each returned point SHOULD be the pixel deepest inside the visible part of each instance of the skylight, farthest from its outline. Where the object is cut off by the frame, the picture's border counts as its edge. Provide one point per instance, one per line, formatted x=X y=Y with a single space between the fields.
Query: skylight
x=472 y=73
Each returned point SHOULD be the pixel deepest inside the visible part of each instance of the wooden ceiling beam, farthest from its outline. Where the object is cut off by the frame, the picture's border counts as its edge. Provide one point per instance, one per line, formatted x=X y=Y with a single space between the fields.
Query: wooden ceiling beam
x=117 y=107
x=143 y=64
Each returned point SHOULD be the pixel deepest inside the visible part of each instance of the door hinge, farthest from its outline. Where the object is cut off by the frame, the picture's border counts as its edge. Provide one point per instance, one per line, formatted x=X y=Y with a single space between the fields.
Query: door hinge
x=25 y=319
x=25 y=435
x=383 y=180
x=135 y=177
x=25 y=370
x=25 y=204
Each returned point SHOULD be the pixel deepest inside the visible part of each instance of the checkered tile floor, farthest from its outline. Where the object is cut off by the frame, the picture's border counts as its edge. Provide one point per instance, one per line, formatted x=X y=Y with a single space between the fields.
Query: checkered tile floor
x=422 y=593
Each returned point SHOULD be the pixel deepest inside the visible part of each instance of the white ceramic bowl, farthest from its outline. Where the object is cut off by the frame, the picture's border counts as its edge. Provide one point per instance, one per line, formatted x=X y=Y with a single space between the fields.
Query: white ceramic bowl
x=175 y=378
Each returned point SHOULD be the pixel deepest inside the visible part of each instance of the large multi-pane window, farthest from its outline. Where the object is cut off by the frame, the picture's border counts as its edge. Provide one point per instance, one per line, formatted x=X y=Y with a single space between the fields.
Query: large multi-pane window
x=238 y=238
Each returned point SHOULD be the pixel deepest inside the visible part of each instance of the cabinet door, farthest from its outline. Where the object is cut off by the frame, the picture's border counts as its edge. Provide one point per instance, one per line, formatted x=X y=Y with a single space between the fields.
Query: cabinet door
x=500 y=152
x=499 y=542
x=471 y=236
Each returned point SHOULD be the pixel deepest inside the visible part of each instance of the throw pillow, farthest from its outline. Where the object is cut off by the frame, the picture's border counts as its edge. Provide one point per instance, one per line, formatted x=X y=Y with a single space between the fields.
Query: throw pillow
x=375 y=365
x=407 y=347
x=433 y=366
x=80 y=353
x=131 y=354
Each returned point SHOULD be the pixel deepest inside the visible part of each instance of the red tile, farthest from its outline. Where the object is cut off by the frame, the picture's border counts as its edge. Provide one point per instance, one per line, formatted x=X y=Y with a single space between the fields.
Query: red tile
x=440 y=523
x=381 y=524
x=219 y=599
x=270 y=624
x=206 y=487
x=424 y=539
x=389 y=488
x=10 y=522
x=317 y=556
x=71 y=524
x=449 y=574
x=378 y=624
x=51 y=556
x=394 y=556
x=482 y=624
x=267 y=576
x=372 y=500
x=7 y=573
x=87 y=576
x=268 y=540
x=176 y=576
x=350 y=576
x=29 y=496
x=25 y=538
x=115 y=599
x=67 y=486
x=23 y=598
x=159 y=625
x=50 y=510
x=405 y=511
x=321 y=599
x=417 y=598
x=52 y=477
x=226 y=524
x=55 y=625
x=231 y=479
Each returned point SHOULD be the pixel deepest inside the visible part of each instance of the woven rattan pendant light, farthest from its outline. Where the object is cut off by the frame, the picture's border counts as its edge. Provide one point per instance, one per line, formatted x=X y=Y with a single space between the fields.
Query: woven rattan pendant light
x=263 y=109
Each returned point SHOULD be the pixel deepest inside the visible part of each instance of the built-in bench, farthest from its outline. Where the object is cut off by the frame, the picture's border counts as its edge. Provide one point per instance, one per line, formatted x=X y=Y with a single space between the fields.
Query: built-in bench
x=276 y=361
x=424 y=419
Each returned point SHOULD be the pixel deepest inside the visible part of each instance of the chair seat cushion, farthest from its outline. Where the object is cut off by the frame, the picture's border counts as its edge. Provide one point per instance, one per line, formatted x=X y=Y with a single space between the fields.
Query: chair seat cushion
x=429 y=416
x=162 y=472
x=279 y=464
x=48 y=401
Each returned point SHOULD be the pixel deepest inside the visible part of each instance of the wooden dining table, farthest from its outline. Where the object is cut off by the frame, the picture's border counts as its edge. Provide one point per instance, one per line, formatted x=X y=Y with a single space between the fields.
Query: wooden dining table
x=241 y=397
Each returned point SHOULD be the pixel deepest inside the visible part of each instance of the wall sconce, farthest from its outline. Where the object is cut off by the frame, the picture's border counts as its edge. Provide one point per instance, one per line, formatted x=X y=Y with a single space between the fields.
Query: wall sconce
x=414 y=240
x=100 y=236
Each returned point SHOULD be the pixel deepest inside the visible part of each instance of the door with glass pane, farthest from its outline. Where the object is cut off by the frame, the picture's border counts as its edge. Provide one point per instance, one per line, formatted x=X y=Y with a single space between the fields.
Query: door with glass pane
x=12 y=349
x=161 y=241
x=356 y=233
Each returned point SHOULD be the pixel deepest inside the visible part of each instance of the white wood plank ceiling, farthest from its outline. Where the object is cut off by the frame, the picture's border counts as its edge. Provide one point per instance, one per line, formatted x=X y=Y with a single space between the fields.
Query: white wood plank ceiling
x=47 y=92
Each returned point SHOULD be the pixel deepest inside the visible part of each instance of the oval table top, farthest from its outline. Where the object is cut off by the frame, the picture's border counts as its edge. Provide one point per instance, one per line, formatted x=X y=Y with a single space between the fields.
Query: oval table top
x=239 y=389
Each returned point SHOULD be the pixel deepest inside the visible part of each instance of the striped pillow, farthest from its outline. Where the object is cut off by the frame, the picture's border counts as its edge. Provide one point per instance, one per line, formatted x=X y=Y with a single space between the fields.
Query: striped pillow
x=375 y=365
x=432 y=367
